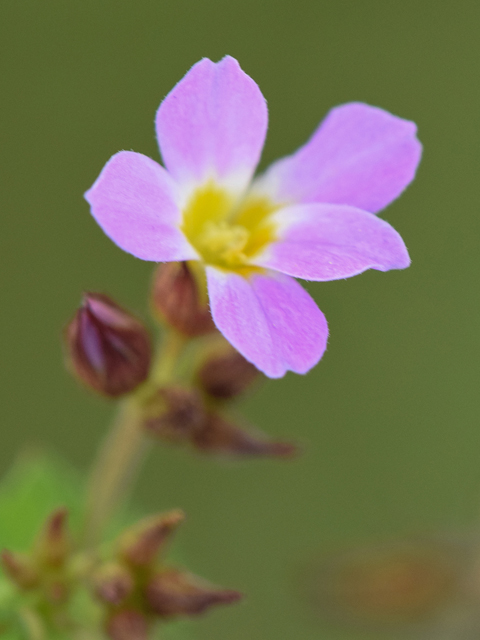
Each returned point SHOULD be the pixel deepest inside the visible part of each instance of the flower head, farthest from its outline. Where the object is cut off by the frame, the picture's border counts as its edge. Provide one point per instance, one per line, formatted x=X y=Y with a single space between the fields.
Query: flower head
x=310 y=215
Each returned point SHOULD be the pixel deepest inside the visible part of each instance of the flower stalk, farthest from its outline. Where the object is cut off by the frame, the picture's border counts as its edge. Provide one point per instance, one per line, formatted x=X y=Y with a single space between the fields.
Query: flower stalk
x=124 y=448
x=114 y=470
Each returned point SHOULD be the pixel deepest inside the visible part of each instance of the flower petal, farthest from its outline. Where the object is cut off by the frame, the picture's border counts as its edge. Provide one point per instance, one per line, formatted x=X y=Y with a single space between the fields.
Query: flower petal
x=133 y=200
x=329 y=241
x=360 y=155
x=270 y=319
x=213 y=125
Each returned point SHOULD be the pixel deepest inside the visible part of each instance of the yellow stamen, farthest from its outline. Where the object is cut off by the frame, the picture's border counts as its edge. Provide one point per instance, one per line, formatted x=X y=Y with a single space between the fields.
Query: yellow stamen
x=225 y=233
x=223 y=242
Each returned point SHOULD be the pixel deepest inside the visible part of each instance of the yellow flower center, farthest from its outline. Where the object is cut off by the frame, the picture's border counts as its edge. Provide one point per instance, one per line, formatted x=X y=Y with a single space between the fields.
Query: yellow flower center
x=228 y=234
x=223 y=242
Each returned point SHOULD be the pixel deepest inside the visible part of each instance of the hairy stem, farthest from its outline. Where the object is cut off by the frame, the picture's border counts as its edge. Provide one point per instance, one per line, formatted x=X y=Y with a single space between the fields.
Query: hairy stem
x=122 y=452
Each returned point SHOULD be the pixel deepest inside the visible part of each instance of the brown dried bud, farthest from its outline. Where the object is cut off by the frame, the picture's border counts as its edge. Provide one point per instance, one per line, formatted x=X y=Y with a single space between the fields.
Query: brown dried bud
x=176 y=414
x=109 y=348
x=53 y=543
x=140 y=545
x=177 y=593
x=20 y=569
x=176 y=299
x=113 y=583
x=226 y=374
x=127 y=625
x=218 y=436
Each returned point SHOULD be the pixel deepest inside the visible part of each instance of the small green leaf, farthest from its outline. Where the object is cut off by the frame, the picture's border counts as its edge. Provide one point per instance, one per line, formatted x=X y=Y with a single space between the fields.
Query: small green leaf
x=33 y=488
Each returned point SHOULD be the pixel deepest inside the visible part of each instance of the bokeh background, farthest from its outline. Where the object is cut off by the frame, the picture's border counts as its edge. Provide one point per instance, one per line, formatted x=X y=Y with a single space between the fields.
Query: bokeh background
x=390 y=419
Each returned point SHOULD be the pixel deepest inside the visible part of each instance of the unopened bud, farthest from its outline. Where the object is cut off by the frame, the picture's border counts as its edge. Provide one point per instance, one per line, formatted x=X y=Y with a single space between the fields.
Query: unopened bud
x=20 y=569
x=53 y=543
x=109 y=348
x=176 y=593
x=175 y=414
x=219 y=436
x=226 y=374
x=177 y=299
x=140 y=545
x=113 y=583
x=127 y=624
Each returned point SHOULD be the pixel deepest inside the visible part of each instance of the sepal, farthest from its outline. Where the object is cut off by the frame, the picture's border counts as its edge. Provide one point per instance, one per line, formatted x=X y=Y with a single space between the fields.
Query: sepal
x=174 y=593
x=221 y=436
x=140 y=545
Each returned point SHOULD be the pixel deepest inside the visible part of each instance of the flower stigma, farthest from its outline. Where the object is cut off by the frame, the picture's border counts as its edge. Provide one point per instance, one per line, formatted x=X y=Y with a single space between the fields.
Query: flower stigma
x=226 y=233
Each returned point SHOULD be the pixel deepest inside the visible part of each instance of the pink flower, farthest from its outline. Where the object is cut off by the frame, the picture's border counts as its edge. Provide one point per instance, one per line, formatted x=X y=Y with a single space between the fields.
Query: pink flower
x=310 y=215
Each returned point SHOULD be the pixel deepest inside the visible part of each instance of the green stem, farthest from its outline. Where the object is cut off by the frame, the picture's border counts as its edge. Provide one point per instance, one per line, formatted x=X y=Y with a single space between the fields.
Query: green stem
x=164 y=368
x=33 y=624
x=114 y=470
x=123 y=450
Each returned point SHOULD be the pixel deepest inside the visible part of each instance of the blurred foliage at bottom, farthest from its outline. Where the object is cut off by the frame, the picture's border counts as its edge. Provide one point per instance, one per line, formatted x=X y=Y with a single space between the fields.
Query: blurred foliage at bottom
x=36 y=486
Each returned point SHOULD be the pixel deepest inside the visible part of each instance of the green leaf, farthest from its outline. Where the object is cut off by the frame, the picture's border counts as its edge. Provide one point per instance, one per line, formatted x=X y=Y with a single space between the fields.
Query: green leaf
x=33 y=488
x=29 y=492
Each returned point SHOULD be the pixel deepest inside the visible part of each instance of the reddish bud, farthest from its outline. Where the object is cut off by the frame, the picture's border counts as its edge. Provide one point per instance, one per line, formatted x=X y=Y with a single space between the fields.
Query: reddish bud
x=175 y=414
x=176 y=298
x=53 y=544
x=140 y=545
x=176 y=593
x=127 y=625
x=109 y=348
x=218 y=436
x=227 y=374
x=113 y=583
x=20 y=569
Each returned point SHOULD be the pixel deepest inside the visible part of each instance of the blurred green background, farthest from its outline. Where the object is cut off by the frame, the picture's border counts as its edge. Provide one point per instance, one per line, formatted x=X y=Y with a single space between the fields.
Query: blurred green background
x=389 y=420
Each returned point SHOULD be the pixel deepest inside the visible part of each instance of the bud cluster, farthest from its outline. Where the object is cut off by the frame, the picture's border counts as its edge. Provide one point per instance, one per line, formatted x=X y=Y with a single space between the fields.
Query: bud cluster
x=109 y=350
x=137 y=590
x=45 y=570
x=185 y=415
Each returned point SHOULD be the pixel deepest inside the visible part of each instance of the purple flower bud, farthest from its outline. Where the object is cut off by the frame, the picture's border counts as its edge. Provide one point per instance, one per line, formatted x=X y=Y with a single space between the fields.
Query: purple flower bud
x=109 y=349
x=177 y=300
